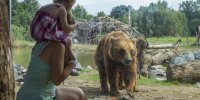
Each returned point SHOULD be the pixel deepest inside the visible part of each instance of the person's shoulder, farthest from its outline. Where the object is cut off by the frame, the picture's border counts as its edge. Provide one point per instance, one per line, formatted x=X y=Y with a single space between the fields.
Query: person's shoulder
x=57 y=46
x=61 y=9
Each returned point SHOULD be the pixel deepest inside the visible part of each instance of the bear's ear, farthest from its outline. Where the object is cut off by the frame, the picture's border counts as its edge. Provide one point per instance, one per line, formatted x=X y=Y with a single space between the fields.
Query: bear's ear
x=113 y=39
x=134 y=40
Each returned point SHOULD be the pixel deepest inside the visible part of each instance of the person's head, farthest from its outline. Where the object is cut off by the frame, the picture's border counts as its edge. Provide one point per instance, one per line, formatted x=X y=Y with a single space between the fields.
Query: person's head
x=67 y=3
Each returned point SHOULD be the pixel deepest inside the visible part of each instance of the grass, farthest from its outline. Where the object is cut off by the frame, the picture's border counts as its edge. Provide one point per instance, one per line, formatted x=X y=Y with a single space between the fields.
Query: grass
x=22 y=43
x=166 y=40
x=153 y=82
x=94 y=76
x=84 y=47
x=153 y=40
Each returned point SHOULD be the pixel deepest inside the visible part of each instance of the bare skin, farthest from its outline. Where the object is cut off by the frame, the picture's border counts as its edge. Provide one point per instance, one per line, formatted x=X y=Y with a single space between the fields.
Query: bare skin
x=61 y=14
x=58 y=55
x=59 y=72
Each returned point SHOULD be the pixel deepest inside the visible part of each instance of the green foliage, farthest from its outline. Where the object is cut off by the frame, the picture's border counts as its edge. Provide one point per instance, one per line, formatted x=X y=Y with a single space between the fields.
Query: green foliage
x=101 y=14
x=22 y=15
x=17 y=32
x=121 y=13
x=159 y=20
x=191 y=9
x=155 y=20
x=80 y=13
x=119 y=10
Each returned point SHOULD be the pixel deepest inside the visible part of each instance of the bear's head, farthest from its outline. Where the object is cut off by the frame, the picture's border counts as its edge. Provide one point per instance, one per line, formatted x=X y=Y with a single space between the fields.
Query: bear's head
x=122 y=49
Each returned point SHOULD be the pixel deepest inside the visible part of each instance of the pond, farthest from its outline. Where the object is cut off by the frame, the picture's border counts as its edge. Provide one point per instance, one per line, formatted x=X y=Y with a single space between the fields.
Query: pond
x=21 y=56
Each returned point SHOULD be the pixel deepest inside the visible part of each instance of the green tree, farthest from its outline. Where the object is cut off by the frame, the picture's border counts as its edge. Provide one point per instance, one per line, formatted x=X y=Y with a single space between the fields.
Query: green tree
x=101 y=14
x=121 y=13
x=159 y=20
x=80 y=13
x=22 y=15
x=191 y=9
x=119 y=10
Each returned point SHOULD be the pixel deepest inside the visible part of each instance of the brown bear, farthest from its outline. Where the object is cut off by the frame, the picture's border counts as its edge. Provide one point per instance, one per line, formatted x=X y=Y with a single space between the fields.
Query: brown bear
x=115 y=58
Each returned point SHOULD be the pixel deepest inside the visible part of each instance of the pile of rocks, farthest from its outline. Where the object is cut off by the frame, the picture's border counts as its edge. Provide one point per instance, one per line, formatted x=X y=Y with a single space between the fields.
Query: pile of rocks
x=19 y=73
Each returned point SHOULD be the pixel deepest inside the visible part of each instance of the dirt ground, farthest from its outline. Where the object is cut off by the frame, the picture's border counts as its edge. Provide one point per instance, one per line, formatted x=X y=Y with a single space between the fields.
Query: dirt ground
x=91 y=89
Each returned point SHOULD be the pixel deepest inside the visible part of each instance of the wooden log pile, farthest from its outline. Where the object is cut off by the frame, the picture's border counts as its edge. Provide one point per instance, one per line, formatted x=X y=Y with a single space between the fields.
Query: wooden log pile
x=154 y=55
x=167 y=62
x=92 y=31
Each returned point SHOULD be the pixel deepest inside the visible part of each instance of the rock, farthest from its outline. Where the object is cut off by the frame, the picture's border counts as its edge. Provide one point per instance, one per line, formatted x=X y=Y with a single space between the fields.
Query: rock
x=18 y=71
x=189 y=56
x=182 y=59
x=16 y=76
x=189 y=72
x=178 y=61
x=156 y=71
x=76 y=70
x=20 y=79
x=154 y=67
x=78 y=66
x=161 y=79
x=89 y=67
x=197 y=55
x=197 y=85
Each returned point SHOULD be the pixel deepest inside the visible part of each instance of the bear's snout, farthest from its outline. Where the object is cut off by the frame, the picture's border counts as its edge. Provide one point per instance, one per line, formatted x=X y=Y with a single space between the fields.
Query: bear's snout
x=128 y=61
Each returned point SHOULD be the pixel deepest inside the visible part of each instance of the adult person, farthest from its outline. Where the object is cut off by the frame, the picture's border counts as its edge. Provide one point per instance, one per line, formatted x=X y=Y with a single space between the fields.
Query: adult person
x=51 y=61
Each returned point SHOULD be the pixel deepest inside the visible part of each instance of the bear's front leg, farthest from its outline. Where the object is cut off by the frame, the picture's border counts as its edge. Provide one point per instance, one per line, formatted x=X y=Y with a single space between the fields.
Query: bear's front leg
x=130 y=79
x=103 y=81
x=112 y=78
x=121 y=80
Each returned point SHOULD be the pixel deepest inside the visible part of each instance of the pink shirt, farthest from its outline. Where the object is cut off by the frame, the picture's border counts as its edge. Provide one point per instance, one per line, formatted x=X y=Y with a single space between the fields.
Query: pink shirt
x=44 y=27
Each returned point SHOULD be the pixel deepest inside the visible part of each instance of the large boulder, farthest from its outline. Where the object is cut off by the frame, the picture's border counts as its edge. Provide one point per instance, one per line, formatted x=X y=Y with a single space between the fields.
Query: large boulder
x=189 y=72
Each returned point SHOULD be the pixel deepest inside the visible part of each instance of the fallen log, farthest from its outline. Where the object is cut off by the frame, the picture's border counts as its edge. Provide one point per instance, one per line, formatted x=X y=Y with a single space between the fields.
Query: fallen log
x=165 y=46
x=189 y=72
x=156 y=55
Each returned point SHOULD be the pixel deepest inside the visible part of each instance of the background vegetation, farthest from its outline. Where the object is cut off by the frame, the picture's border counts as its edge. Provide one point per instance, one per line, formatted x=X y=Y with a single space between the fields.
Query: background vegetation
x=155 y=20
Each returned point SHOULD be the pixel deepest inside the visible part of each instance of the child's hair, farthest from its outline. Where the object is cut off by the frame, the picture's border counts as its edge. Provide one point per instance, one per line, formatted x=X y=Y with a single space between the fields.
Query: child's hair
x=56 y=1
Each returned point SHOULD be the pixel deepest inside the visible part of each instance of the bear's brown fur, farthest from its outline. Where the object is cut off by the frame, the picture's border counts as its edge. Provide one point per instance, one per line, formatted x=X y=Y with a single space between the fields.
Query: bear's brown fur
x=115 y=59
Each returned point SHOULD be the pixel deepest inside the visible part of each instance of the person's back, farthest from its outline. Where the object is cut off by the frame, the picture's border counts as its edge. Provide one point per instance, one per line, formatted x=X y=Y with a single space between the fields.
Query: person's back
x=37 y=84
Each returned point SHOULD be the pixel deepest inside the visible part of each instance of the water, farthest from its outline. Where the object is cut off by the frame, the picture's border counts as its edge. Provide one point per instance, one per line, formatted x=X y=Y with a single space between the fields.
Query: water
x=21 y=56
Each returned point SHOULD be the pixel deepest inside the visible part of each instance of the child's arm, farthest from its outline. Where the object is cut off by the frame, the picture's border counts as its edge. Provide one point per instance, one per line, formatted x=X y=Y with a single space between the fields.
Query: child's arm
x=63 y=21
x=70 y=18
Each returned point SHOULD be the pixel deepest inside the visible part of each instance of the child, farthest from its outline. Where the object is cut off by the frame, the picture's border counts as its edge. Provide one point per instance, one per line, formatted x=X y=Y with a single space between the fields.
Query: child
x=45 y=27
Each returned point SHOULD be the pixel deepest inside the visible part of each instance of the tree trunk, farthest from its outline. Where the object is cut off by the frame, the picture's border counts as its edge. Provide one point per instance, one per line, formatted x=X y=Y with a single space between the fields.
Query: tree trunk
x=7 y=84
x=198 y=36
